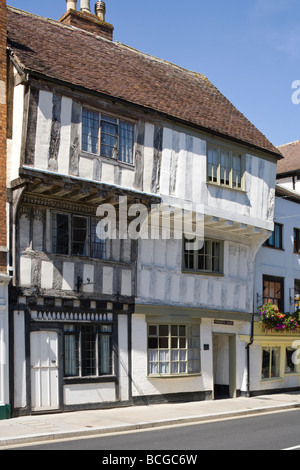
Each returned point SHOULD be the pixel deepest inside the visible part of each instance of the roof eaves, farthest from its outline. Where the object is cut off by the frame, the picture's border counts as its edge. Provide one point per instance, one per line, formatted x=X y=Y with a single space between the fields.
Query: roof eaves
x=248 y=145
x=284 y=193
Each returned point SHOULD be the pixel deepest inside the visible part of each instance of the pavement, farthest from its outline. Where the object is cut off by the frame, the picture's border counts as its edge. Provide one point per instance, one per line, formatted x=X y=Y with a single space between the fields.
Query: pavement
x=49 y=427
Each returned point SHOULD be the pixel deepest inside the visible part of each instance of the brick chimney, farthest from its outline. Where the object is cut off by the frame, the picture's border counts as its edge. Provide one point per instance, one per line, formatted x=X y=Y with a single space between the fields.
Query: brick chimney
x=85 y=19
x=3 y=136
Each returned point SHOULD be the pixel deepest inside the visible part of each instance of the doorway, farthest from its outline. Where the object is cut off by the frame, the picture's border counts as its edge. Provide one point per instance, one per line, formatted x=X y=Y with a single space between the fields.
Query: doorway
x=44 y=370
x=224 y=366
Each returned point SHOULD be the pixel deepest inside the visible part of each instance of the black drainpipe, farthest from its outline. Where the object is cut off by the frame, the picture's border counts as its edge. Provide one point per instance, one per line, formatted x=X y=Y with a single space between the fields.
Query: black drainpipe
x=248 y=355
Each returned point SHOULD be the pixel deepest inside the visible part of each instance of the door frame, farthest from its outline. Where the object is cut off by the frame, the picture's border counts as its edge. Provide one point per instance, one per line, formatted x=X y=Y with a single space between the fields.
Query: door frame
x=231 y=364
x=56 y=330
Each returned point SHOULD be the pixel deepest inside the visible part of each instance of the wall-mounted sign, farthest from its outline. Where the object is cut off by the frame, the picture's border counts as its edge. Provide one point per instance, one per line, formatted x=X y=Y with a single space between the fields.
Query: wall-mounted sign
x=223 y=322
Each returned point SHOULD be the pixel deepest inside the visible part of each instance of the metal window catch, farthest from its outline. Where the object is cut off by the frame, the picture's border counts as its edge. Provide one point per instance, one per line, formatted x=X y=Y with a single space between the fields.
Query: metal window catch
x=81 y=283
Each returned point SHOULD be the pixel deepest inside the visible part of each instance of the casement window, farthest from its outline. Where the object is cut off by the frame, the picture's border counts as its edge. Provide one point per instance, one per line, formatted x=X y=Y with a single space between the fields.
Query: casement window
x=209 y=259
x=270 y=362
x=225 y=167
x=173 y=349
x=275 y=241
x=76 y=235
x=87 y=350
x=273 y=289
x=297 y=240
x=107 y=136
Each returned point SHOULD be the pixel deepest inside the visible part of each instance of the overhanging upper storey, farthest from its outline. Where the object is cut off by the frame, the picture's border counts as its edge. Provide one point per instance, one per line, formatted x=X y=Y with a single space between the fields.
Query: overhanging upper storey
x=131 y=121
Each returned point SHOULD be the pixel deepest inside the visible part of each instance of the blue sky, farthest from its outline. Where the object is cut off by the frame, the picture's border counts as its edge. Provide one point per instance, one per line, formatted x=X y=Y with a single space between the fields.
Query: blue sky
x=249 y=49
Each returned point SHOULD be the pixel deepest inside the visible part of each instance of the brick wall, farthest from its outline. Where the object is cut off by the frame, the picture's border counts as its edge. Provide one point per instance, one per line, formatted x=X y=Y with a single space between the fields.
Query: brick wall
x=3 y=129
x=88 y=22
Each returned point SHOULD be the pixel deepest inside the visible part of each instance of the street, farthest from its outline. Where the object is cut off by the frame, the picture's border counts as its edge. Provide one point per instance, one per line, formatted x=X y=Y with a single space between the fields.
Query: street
x=277 y=431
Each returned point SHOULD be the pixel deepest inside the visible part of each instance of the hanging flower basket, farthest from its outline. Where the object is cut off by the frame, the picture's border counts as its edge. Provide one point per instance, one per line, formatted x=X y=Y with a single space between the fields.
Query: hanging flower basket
x=273 y=320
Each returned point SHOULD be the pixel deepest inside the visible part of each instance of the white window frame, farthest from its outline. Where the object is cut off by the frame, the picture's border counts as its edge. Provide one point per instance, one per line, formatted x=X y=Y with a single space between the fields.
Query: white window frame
x=271 y=347
x=173 y=353
x=224 y=175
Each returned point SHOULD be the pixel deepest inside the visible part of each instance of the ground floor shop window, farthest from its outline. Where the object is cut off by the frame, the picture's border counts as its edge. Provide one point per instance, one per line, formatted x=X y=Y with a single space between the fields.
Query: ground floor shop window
x=292 y=359
x=270 y=362
x=87 y=350
x=173 y=349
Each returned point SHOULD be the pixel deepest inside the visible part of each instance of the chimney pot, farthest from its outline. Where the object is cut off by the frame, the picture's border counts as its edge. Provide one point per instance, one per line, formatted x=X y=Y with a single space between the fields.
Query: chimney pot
x=71 y=4
x=85 y=5
x=100 y=10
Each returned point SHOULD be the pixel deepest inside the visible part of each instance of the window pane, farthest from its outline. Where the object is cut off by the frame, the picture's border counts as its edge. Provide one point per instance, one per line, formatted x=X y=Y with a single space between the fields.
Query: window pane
x=109 y=132
x=60 y=234
x=213 y=163
x=275 y=367
x=88 y=351
x=225 y=167
x=163 y=330
x=90 y=126
x=125 y=142
x=80 y=236
x=152 y=330
x=265 y=372
x=105 y=356
x=71 y=355
x=236 y=171
x=290 y=366
x=98 y=244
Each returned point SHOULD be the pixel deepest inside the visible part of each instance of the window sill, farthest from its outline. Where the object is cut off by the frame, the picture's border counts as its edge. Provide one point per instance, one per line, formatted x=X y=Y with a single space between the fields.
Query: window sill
x=173 y=376
x=223 y=186
x=272 y=379
x=73 y=258
x=89 y=379
x=202 y=273
x=273 y=248
x=112 y=161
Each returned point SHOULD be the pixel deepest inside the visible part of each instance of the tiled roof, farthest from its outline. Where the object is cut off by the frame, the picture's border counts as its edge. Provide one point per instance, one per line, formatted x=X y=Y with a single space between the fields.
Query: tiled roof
x=284 y=193
x=85 y=60
x=291 y=160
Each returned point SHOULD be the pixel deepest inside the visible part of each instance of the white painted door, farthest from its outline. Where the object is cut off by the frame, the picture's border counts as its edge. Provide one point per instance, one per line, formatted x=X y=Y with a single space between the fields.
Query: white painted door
x=44 y=370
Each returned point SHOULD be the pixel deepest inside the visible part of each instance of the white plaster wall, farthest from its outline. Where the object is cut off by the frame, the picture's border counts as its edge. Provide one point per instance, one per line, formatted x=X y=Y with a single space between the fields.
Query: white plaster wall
x=4 y=345
x=19 y=360
x=14 y=147
x=43 y=130
x=182 y=171
x=143 y=385
x=280 y=263
x=123 y=357
x=77 y=394
x=287 y=183
x=160 y=279
x=65 y=136
x=68 y=276
x=184 y=160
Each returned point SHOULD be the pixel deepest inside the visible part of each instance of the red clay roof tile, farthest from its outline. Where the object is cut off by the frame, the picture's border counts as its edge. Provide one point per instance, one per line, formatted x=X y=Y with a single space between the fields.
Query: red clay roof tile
x=85 y=60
